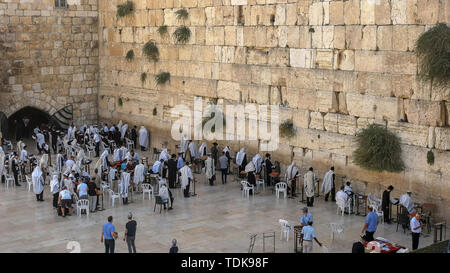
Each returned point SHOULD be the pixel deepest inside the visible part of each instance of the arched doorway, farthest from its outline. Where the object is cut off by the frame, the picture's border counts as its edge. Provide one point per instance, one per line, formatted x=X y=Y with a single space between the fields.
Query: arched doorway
x=21 y=123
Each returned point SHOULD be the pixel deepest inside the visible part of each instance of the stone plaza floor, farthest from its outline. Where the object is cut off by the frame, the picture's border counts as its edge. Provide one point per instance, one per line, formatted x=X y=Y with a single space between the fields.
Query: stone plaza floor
x=217 y=220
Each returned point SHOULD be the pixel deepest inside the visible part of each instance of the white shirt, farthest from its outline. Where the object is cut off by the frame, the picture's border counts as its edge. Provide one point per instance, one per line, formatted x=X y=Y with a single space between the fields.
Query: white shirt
x=69 y=164
x=65 y=194
x=415 y=223
x=105 y=129
x=24 y=155
x=96 y=138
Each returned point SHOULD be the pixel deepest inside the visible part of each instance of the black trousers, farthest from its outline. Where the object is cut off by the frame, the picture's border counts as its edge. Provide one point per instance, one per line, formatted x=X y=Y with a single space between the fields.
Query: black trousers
x=224 y=175
x=130 y=244
x=40 y=196
x=186 y=190
x=333 y=194
x=386 y=214
x=55 y=199
x=109 y=245
x=415 y=240
x=54 y=147
x=16 y=177
x=309 y=201
x=97 y=149
x=369 y=235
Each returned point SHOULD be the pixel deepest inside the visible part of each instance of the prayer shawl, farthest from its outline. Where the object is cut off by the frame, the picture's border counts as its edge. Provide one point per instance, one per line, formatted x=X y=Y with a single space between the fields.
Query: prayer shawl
x=210 y=169
x=257 y=160
x=43 y=161
x=36 y=131
x=103 y=158
x=123 y=152
x=10 y=159
x=164 y=155
x=20 y=145
x=157 y=167
x=38 y=180
x=97 y=165
x=291 y=172
x=250 y=167
x=138 y=174
x=309 y=179
x=111 y=175
x=193 y=149
x=201 y=150
x=69 y=133
x=183 y=145
x=40 y=139
x=143 y=137
x=327 y=182
x=73 y=132
x=2 y=163
x=81 y=156
x=76 y=168
x=123 y=130
x=240 y=156
x=54 y=184
x=23 y=155
x=119 y=125
x=124 y=184
x=407 y=202
x=163 y=192
x=69 y=165
x=117 y=155
x=341 y=196
x=226 y=149
x=186 y=173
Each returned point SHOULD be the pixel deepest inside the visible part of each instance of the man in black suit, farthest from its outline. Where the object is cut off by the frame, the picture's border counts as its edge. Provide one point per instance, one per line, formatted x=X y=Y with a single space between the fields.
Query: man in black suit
x=386 y=199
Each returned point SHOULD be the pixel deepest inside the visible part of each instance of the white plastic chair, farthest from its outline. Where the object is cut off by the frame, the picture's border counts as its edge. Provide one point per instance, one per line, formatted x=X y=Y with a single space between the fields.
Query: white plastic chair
x=130 y=144
x=29 y=182
x=147 y=188
x=379 y=213
x=10 y=179
x=106 y=148
x=280 y=187
x=342 y=204
x=260 y=182
x=90 y=151
x=82 y=204
x=285 y=229
x=337 y=229
x=113 y=196
x=104 y=186
x=246 y=187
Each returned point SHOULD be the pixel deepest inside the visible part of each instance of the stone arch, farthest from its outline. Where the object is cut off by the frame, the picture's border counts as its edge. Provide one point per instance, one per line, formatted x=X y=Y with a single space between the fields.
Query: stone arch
x=43 y=102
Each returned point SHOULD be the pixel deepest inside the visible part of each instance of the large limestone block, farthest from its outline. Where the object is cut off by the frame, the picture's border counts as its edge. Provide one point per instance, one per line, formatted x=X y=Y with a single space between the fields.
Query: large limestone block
x=279 y=56
x=293 y=37
x=368 y=12
x=369 y=61
x=442 y=138
x=302 y=58
x=384 y=37
x=374 y=84
x=423 y=112
x=324 y=59
x=280 y=15
x=346 y=124
x=398 y=12
x=291 y=14
x=316 y=14
x=369 y=38
x=403 y=86
x=413 y=34
x=369 y=106
x=400 y=33
x=301 y=118
x=339 y=37
x=305 y=37
x=336 y=13
x=428 y=11
x=382 y=12
x=316 y=121
x=353 y=36
x=352 y=12
x=410 y=134
x=330 y=122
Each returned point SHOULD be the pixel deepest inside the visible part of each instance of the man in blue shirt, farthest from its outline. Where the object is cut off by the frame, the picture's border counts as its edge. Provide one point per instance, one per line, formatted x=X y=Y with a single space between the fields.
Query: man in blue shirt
x=308 y=234
x=109 y=233
x=306 y=217
x=370 y=225
x=223 y=161
x=180 y=162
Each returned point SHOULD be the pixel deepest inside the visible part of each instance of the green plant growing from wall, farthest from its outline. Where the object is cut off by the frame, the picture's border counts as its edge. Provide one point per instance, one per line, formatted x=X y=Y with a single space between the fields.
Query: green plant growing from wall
x=125 y=9
x=130 y=55
x=182 y=34
x=162 y=77
x=430 y=157
x=120 y=102
x=287 y=129
x=162 y=30
x=155 y=111
x=151 y=51
x=378 y=150
x=433 y=52
x=143 y=77
x=182 y=14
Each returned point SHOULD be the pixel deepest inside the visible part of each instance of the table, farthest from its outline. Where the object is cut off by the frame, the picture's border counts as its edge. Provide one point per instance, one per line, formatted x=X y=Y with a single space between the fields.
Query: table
x=358 y=199
x=273 y=176
x=439 y=226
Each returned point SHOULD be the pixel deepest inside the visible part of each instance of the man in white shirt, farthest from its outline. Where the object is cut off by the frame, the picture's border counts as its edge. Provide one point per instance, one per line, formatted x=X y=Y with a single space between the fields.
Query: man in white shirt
x=416 y=229
x=54 y=189
x=40 y=140
x=82 y=190
x=97 y=140
x=69 y=164
x=165 y=194
x=65 y=200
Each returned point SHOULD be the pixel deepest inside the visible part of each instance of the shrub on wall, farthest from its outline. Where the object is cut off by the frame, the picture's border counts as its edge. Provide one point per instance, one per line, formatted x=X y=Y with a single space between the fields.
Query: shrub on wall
x=162 y=77
x=182 y=34
x=182 y=14
x=151 y=51
x=130 y=55
x=430 y=157
x=433 y=52
x=162 y=30
x=287 y=129
x=378 y=150
x=125 y=9
x=143 y=77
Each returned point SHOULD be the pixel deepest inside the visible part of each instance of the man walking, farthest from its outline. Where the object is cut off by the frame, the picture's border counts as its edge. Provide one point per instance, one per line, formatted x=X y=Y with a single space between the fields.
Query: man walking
x=109 y=234
x=328 y=185
x=309 y=234
x=416 y=229
x=370 y=225
x=130 y=233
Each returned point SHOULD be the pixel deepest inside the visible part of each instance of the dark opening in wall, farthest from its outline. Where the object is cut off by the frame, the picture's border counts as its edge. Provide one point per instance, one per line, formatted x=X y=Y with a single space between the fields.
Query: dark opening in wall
x=241 y=19
x=60 y=4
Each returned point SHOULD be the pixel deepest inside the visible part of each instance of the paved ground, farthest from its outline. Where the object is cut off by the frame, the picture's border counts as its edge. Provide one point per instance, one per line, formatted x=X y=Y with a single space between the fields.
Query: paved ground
x=218 y=219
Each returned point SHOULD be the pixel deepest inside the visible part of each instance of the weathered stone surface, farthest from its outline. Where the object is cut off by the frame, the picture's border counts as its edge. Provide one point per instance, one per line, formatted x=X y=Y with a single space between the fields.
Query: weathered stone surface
x=410 y=134
x=317 y=121
x=442 y=138
x=424 y=112
x=303 y=58
x=369 y=106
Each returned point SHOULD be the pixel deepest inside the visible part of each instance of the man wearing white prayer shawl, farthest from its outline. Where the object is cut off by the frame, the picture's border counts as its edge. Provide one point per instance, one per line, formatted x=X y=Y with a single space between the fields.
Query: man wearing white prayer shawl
x=54 y=189
x=164 y=155
x=202 y=150
x=157 y=167
x=69 y=164
x=40 y=140
x=250 y=171
x=183 y=146
x=309 y=179
x=257 y=160
x=193 y=151
x=186 y=178
x=119 y=125
x=241 y=160
x=138 y=177
x=74 y=129
x=69 y=133
x=123 y=187
x=111 y=177
x=123 y=131
x=166 y=194
x=291 y=177
x=104 y=159
x=2 y=163
x=328 y=185
x=210 y=170
x=117 y=155
x=407 y=202
x=38 y=183
x=226 y=150
x=143 y=138
x=43 y=162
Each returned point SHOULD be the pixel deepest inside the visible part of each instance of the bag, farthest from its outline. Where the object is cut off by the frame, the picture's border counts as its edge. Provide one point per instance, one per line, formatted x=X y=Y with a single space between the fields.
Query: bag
x=213 y=177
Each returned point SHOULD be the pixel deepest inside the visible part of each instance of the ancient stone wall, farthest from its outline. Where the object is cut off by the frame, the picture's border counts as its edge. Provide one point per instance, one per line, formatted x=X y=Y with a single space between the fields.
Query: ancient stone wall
x=49 y=57
x=334 y=66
